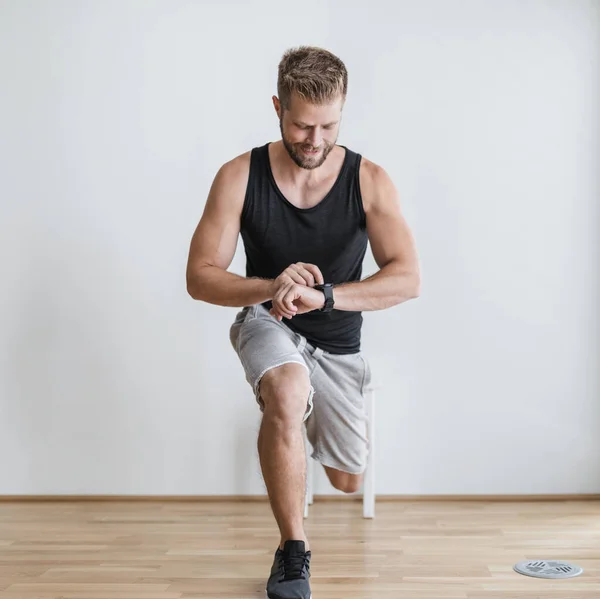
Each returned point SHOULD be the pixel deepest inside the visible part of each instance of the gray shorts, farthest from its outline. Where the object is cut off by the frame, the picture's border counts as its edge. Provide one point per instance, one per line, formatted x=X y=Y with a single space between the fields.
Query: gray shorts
x=335 y=418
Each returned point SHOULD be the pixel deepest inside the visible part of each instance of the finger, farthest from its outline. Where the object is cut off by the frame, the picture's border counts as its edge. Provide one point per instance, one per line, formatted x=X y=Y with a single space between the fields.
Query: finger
x=275 y=314
x=315 y=272
x=278 y=313
x=287 y=300
x=306 y=277
x=280 y=310
x=279 y=294
x=309 y=278
x=279 y=304
x=295 y=275
x=282 y=313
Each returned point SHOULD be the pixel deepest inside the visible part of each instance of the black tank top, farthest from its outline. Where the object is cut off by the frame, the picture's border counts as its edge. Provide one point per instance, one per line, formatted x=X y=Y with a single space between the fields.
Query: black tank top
x=331 y=235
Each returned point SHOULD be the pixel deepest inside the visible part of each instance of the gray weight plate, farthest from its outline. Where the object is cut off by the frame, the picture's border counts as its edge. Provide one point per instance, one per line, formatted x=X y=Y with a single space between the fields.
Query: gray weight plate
x=548 y=569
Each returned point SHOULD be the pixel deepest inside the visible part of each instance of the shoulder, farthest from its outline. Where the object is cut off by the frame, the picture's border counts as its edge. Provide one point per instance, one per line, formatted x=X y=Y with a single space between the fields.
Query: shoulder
x=235 y=170
x=231 y=178
x=228 y=188
x=376 y=185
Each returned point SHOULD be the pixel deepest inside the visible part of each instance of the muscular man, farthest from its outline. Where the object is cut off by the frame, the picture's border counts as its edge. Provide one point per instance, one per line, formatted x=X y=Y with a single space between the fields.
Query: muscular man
x=305 y=208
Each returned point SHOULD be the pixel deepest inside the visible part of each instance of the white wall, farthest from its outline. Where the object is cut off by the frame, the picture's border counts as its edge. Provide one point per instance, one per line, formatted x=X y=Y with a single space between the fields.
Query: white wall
x=114 y=118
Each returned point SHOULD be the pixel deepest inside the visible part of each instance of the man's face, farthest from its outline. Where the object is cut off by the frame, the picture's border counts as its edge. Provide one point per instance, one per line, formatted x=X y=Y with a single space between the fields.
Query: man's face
x=309 y=132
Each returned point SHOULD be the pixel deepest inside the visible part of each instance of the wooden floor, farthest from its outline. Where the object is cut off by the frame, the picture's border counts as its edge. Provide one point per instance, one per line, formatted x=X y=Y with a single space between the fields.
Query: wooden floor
x=416 y=550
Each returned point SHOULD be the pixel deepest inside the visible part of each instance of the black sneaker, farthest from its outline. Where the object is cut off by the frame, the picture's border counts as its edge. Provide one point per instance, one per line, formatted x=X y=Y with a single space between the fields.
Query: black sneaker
x=290 y=573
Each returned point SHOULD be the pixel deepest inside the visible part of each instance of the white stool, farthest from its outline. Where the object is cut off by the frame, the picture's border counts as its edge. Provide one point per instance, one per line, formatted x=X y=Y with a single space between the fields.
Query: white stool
x=369 y=477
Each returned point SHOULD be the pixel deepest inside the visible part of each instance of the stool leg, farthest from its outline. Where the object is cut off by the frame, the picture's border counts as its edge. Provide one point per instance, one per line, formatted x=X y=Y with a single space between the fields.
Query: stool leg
x=369 y=481
x=310 y=468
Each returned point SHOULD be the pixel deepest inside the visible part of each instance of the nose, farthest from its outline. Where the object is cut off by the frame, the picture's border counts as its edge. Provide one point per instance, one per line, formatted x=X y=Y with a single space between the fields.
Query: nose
x=315 y=137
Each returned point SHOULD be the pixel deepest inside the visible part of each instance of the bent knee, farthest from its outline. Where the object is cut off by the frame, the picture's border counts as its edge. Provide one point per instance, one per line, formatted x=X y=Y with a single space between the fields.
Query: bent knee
x=343 y=481
x=351 y=484
x=284 y=391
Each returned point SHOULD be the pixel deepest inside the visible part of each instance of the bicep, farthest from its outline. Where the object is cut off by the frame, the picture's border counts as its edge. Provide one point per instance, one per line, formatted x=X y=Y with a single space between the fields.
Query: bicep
x=389 y=234
x=215 y=238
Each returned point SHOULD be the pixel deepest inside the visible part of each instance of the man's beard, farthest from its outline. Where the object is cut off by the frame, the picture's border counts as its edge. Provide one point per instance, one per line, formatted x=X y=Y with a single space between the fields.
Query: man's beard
x=302 y=160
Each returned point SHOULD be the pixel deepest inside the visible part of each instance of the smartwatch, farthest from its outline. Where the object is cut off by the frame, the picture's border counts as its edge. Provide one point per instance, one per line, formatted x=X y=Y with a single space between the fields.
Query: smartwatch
x=327 y=290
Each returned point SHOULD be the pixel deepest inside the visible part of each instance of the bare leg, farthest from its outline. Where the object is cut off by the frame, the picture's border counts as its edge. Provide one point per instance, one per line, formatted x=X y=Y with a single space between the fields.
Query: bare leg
x=285 y=391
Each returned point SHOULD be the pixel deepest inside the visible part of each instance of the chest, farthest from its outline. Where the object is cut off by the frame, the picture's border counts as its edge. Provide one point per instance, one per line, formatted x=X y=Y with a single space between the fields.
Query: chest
x=306 y=196
x=284 y=232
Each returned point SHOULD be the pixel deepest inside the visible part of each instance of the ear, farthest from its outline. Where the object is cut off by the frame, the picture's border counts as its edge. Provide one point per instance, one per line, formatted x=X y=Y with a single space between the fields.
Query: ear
x=277 y=106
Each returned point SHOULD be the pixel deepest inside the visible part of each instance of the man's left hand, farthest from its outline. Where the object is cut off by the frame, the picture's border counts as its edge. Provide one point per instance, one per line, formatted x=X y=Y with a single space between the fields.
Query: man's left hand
x=295 y=299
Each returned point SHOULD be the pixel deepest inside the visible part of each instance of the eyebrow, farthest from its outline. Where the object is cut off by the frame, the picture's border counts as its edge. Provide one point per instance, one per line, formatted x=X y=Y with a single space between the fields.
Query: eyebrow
x=307 y=125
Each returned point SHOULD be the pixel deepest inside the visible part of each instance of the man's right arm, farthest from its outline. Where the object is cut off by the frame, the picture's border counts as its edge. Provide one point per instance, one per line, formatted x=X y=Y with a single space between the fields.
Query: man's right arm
x=214 y=243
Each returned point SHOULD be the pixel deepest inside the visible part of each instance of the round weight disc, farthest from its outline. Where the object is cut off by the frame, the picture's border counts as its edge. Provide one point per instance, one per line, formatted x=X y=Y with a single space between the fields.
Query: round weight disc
x=548 y=569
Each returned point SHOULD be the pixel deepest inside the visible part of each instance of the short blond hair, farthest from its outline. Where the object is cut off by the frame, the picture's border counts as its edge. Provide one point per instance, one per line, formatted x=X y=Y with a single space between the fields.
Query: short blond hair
x=314 y=74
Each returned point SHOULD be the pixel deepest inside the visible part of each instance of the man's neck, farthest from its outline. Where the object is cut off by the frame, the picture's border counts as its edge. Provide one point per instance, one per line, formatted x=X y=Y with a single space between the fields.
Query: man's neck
x=296 y=175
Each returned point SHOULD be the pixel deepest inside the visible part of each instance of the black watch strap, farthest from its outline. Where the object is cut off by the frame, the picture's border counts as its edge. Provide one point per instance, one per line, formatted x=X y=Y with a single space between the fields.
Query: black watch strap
x=327 y=290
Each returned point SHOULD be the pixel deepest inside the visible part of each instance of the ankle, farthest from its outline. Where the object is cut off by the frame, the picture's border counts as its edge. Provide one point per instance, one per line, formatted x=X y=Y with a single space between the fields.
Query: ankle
x=295 y=538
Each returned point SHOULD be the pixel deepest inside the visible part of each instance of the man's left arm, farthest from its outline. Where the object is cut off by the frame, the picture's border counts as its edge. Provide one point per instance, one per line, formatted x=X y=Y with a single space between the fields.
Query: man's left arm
x=398 y=278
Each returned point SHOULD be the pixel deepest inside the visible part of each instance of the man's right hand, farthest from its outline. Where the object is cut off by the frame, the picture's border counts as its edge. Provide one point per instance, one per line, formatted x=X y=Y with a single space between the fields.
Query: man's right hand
x=299 y=273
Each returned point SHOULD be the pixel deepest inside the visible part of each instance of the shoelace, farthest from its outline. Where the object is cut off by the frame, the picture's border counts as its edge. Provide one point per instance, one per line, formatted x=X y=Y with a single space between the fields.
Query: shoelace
x=292 y=567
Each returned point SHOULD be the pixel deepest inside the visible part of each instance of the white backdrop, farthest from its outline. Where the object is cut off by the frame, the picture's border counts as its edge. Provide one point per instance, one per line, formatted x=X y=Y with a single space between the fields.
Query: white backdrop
x=114 y=118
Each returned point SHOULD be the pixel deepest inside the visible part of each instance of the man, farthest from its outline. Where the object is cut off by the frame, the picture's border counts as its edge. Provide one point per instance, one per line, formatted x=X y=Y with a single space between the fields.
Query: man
x=305 y=208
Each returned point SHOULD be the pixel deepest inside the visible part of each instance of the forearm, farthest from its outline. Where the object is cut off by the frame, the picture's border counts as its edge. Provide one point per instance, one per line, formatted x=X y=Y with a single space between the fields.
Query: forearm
x=214 y=285
x=390 y=286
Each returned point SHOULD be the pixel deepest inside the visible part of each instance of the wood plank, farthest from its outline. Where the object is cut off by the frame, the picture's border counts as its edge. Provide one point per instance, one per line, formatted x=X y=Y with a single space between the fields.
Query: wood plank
x=223 y=550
